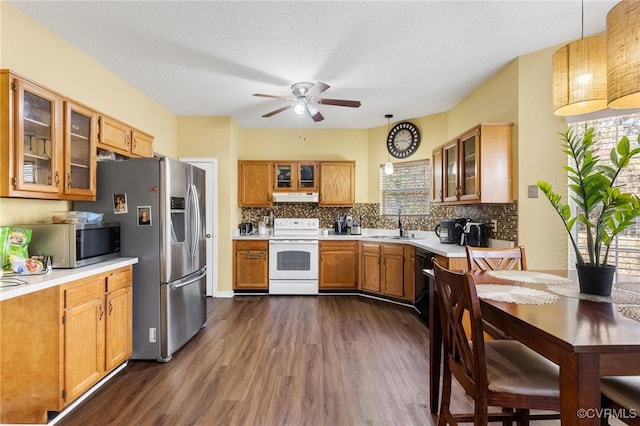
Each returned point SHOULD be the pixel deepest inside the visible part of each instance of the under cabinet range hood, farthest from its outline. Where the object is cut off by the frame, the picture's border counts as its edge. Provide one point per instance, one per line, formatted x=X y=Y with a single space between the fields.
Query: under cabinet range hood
x=295 y=197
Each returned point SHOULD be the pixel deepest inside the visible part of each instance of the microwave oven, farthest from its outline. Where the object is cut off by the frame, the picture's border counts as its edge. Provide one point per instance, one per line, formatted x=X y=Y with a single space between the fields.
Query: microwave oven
x=71 y=245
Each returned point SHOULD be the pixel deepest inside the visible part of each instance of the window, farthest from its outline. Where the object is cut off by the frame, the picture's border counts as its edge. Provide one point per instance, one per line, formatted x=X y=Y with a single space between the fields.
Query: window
x=625 y=250
x=407 y=188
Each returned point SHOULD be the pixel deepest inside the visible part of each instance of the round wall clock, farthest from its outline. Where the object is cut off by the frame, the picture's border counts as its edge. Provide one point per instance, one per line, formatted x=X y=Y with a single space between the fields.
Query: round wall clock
x=403 y=139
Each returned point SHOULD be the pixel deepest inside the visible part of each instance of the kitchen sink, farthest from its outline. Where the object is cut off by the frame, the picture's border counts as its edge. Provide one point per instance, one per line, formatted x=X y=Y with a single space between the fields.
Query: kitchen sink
x=391 y=237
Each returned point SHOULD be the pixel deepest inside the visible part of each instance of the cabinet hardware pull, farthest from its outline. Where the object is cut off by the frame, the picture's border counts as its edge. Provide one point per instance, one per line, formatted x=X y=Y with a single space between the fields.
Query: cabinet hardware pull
x=57 y=178
x=128 y=141
x=110 y=307
x=69 y=180
x=251 y=255
x=101 y=313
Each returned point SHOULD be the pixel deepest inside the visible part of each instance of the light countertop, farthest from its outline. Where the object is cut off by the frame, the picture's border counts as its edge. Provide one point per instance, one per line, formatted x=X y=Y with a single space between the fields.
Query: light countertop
x=426 y=240
x=33 y=283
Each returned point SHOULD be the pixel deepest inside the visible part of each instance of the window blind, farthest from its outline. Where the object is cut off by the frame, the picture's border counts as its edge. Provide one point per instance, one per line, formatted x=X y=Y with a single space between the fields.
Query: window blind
x=625 y=250
x=407 y=188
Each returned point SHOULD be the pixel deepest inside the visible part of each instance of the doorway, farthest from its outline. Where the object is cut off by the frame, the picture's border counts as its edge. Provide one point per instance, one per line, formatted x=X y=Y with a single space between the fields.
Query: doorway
x=210 y=166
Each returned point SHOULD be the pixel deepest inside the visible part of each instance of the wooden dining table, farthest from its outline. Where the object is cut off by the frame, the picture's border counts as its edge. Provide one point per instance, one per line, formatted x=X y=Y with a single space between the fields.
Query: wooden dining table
x=587 y=339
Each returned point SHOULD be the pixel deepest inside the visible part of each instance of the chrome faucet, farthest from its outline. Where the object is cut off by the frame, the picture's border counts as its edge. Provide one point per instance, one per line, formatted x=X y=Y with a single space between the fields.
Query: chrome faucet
x=400 y=221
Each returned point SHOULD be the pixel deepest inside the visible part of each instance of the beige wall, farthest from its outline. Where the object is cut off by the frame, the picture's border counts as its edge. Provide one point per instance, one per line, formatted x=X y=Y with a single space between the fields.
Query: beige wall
x=215 y=137
x=34 y=52
x=540 y=158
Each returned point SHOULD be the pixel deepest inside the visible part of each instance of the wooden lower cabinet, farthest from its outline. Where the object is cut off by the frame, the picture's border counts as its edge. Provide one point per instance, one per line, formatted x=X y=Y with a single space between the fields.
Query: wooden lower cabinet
x=392 y=258
x=387 y=269
x=250 y=265
x=370 y=267
x=58 y=342
x=338 y=265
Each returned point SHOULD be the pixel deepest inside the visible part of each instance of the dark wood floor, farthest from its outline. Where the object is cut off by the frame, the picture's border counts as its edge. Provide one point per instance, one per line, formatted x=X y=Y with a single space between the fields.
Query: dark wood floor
x=280 y=360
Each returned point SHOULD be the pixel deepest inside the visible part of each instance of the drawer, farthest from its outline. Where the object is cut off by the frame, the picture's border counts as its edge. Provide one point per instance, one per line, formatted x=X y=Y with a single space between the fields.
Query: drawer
x=82 y=291
x=119 y=278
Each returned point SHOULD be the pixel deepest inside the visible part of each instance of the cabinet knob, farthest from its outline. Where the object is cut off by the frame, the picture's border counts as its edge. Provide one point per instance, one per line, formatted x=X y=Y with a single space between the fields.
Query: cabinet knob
x=208 y=235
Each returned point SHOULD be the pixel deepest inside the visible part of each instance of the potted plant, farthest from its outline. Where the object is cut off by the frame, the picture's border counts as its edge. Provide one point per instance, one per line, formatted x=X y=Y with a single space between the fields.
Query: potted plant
x=601 y=205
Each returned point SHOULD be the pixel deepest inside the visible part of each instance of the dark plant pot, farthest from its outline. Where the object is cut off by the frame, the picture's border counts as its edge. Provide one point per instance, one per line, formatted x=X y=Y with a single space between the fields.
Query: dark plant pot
x=596 y=280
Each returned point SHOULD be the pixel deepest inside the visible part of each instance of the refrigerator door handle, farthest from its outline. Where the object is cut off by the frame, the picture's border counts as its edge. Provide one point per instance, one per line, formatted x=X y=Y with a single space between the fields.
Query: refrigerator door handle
x=198 y=277
x=195 y=233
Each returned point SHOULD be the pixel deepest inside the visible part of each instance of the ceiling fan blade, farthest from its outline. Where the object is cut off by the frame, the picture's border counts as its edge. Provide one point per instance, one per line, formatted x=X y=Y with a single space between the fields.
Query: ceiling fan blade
x=317 y=88
x=285 y=98
x=314 y=113
x=339 y=102
x=276 y=111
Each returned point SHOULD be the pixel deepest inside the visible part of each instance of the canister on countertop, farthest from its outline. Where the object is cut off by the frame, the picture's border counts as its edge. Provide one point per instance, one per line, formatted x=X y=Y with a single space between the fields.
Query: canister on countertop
x=262 y=228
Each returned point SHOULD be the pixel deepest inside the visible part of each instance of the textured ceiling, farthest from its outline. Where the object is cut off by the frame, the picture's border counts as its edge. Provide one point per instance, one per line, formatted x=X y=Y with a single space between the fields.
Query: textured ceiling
x=409 y=59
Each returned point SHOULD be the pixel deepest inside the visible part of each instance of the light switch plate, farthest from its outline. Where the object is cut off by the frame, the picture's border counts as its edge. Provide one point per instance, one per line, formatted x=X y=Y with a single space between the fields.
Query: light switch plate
x=533 y=191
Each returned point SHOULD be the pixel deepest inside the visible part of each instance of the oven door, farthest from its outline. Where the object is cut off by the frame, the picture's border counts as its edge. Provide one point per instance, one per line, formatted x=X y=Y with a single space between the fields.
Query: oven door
x=293 y=259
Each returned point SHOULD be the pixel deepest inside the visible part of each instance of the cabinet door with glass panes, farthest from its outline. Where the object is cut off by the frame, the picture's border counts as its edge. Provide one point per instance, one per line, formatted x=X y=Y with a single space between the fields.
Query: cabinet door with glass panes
x=38 y=139
x=80 y=150
x=307 y=176
x=469 y=166
x=450 y=164
x=284 y=176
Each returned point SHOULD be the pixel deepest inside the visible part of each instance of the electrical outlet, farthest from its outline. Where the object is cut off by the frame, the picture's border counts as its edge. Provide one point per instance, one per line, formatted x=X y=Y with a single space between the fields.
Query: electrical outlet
x=494 y=224
x=532 y=191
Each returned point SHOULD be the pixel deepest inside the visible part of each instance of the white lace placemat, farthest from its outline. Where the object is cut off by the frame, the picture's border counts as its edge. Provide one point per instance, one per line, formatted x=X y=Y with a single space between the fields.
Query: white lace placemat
x=629 y=286
x=630 y=311
x=514 y=294
x=529 y=277
x=618 y=296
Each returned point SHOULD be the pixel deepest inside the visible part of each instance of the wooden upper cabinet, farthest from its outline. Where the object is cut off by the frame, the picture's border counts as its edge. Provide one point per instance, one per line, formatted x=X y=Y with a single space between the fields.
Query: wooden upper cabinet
x=31 y=139
x=81 y=131
x=436 y=175
x=254 y=183
x=124 y=140
x=337 y=183
x=142 y=144
x=298 y=176
x=475 y=167
x=48 y=142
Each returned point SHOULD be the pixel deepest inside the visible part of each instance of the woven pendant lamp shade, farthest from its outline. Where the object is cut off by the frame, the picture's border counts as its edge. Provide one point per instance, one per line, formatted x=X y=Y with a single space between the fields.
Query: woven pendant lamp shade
x=580 y=76
x=623 y=55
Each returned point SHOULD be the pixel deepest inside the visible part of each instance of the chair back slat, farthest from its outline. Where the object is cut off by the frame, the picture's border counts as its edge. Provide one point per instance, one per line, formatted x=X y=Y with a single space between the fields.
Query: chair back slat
x=489 y=259
x=465 y=354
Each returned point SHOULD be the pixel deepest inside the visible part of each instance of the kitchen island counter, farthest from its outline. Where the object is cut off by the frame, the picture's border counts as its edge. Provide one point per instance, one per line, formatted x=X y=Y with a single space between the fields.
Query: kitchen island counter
x=33 y=283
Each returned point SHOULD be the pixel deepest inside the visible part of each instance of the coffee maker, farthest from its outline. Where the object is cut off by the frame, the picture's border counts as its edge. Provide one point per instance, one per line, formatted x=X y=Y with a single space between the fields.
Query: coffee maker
x=475 y=234
x=449 y=231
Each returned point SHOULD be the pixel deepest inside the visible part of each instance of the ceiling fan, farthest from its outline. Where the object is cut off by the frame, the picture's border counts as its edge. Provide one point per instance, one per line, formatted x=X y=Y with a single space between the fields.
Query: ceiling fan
x=305 y=99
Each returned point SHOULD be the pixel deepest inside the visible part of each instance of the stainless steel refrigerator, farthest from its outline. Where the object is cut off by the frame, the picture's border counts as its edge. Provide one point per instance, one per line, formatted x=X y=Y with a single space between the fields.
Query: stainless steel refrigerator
x=160 y=205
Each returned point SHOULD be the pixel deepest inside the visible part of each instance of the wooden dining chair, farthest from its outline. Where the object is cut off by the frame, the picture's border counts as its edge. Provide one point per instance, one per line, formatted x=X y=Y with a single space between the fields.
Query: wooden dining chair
x=496 y=373
x=492 y=258
x=622 y=395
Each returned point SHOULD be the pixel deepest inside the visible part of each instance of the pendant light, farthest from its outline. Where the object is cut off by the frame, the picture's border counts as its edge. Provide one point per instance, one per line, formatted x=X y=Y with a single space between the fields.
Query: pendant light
x=580 y=75
x=388 y=166
x=623 y=55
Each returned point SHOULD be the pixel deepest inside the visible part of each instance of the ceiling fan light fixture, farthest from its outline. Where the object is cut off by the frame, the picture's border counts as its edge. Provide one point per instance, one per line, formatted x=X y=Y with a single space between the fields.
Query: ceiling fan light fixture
x=299 y=108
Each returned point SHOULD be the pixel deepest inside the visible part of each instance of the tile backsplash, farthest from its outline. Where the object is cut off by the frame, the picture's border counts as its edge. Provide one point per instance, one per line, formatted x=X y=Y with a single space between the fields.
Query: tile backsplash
x=506 y=216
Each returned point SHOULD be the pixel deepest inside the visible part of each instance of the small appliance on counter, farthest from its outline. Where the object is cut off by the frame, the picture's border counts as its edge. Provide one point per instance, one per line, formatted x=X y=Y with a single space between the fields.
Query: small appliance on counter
x=450 y=230
x=475 y=234
x=356 y=226
x=340 y=225
x=246 y=228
